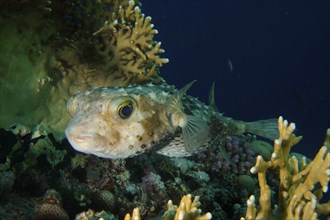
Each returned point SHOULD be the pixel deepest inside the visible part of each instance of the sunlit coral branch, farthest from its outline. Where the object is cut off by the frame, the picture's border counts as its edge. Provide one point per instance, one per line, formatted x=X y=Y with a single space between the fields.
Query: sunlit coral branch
x=128 y=44
x=297 y=200
x=135 y=215
x=187 y=210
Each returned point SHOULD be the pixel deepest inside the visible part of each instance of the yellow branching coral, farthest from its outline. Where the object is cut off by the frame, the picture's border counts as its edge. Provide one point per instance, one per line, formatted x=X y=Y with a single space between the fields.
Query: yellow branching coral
x=135 y=215
x=297 y=200
x=187 y=210
x=128 y=47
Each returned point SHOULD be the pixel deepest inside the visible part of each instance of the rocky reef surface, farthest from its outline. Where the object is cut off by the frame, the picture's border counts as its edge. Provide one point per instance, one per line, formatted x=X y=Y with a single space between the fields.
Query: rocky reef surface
x=41 y=178
x=32 y=170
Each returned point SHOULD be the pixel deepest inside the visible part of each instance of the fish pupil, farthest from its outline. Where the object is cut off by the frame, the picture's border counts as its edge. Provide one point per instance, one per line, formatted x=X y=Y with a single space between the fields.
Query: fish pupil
x=125 y=111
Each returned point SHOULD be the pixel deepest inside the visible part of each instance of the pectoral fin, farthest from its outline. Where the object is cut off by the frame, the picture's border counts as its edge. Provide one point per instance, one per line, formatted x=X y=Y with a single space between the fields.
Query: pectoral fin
x=194 y=132
x=194 y=128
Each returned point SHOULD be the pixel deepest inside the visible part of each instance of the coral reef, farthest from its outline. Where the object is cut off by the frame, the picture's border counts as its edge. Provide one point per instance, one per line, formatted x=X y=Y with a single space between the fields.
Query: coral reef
x=50 y=207
x=152 y=183
x=234 y=156
x=299 y=194
x=43 y=147
x=91 y=215
x=7 y=181
x=262 y=148
x=127 y=47
x=86 y=181
x=146 y=181
x=135 y=215
x=56 y=48
x=187 y=209
x=247 y=182
x=14 y=206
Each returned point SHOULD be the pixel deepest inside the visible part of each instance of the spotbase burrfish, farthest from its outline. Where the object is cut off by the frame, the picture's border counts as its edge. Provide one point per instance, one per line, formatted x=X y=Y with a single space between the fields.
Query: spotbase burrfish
x=121 y=122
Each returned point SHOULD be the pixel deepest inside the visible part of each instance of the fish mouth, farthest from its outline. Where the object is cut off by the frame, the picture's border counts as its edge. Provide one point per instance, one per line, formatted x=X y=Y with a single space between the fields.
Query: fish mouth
x=82 y=138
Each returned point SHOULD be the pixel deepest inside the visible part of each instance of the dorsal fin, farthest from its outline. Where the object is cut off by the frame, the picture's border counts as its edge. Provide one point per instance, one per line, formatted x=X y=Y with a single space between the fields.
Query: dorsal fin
x=183 y=90
x=212 y=98
x=173 y=104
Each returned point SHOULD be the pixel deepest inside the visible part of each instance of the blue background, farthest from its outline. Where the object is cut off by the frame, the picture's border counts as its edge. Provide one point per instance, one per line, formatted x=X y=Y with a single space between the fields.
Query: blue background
x=280 y=53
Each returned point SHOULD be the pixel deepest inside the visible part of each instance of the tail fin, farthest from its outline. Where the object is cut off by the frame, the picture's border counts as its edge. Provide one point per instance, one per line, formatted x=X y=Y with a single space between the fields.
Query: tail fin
x=265 y=128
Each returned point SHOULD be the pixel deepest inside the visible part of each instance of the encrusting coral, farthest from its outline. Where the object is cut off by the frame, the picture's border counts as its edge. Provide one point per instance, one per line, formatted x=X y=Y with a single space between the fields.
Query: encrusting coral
x=297 y=197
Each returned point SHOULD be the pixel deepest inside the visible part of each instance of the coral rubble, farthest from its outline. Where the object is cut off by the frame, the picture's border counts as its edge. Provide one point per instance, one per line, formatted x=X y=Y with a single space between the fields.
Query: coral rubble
x=298 y=198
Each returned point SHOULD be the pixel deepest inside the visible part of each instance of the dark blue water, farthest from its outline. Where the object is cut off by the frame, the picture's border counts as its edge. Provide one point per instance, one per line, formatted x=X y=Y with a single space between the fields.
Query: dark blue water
x=280 y=54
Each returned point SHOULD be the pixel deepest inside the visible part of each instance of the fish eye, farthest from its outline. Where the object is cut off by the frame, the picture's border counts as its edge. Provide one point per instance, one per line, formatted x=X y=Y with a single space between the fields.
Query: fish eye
x=125 y=109
x=122 y=107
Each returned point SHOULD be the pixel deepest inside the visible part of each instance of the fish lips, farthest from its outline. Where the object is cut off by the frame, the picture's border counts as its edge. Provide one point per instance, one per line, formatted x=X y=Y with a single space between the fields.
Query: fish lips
x=86 y=144
x=79 y=142
x=81 y=139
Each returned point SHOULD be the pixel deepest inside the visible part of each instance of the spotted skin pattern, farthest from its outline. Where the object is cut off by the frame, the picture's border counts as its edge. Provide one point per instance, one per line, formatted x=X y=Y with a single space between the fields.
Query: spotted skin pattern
x=98 y=127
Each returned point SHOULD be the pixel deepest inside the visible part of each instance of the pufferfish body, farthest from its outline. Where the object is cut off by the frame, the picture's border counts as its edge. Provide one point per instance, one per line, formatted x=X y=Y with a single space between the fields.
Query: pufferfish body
x=121 y=122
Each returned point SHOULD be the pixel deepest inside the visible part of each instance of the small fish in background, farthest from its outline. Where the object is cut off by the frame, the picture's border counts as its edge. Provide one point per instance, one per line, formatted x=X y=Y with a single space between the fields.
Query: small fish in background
x=230 y=66
x=121 y=122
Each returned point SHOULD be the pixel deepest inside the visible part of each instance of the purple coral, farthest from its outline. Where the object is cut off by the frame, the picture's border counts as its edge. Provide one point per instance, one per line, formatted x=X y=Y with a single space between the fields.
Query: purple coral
x=152 y=183
x=234 y=155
